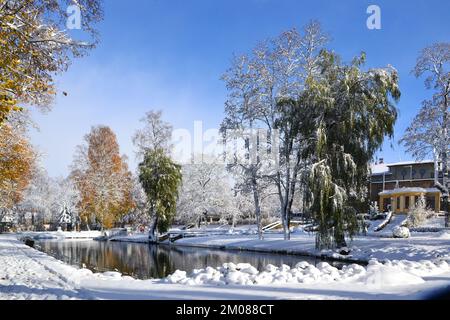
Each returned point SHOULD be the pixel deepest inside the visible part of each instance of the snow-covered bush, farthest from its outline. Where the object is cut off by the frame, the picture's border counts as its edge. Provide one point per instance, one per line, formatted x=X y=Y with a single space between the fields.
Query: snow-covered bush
x=373 y=210
x=401 y=232
x=419 y=213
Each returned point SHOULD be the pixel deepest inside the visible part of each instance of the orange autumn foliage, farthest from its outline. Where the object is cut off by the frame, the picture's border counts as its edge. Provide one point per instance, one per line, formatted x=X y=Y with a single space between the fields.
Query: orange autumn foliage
x=103 y=178
x=17 y=160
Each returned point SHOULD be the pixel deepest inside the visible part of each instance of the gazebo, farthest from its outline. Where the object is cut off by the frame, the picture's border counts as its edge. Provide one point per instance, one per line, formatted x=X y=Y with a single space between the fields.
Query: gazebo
x=401 y=199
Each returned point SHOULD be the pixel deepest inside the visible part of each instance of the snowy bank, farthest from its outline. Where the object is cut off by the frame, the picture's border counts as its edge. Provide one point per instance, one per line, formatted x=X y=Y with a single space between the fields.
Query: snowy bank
x=379 y=245
x=29 y=274
x=420 y=246
x=60 y=235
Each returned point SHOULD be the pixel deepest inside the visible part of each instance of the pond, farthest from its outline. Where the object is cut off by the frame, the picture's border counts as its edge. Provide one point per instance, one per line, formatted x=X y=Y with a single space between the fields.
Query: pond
x=144 y=261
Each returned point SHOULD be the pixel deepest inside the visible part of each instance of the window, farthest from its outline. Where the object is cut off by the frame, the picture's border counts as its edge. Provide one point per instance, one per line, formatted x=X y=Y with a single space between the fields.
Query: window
x=422 y=172
x=404 y=174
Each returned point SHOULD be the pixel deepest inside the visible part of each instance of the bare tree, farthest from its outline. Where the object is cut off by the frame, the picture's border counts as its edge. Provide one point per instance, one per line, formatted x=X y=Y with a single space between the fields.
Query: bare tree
x=277 y=69
x=156 y=134
x=429 y=132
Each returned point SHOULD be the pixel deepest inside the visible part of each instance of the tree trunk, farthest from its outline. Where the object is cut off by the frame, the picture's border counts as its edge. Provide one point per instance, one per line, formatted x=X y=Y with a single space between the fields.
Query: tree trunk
x=288 y=199
x=285 y=204
x=287 y=227
x=152 y=231
x=445 y=181
x=445 y=196
x=285 y=223
x=339 y=238
x=257 y=209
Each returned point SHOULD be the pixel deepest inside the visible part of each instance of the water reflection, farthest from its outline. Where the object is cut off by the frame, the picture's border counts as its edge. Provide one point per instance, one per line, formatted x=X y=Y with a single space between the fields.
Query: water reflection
x=145 y=261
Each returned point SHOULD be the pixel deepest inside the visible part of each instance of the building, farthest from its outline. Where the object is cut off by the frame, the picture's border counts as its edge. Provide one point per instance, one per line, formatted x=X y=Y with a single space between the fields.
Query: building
x=399 y=185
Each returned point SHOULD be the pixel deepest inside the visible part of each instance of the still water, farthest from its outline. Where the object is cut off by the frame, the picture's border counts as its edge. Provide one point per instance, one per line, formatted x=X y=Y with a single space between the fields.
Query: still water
x=145 y=261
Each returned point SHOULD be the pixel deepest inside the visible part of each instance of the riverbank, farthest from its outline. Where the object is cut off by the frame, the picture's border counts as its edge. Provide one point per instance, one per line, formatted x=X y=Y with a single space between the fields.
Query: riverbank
x=430 y=246
x=29 y=274
x=60 y=235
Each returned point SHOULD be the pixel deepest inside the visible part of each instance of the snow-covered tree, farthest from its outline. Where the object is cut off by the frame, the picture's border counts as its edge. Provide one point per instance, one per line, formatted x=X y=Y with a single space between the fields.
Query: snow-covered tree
x=38 y=198
x=240 y=205
x=35 y=45
x=419 y=213
x=429 y=133
x=374 y=211
x=345 y=115
x=103 y=179
x=46 y=197
x=66 y=196
x=206 y=189
x=138 y=216
x=277 y=69
x=156 y=135
x=258 y=193
x=160 y=178
x=17 y=160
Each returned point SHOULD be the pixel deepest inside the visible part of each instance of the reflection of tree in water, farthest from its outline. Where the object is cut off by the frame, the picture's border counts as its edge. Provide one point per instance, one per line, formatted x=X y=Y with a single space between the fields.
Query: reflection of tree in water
x=152 y=261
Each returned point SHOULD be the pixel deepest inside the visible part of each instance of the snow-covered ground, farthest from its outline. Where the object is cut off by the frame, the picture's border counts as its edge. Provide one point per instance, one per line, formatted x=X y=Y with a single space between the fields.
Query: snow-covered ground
x=420 y=246
x=379 y=245
x=61 y=235
x=29 y=274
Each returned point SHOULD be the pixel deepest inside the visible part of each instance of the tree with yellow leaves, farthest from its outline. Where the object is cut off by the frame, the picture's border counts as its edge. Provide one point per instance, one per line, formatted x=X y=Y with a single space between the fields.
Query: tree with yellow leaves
x=103 y=178
x=17 y=160
x=35 y=46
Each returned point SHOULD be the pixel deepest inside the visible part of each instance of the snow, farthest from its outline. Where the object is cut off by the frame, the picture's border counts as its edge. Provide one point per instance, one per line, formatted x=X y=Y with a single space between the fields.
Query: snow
x=379 y=168
x=380 y=245
x=434 y=222
x=376 y=226
x=387 y=230
x=61 y=235
x=401 y=232
x=407 y=163
x=380 y=276
x=409 y=190
x=425 y=245
x=136 y=237
x=397 y=273
x=29 y=274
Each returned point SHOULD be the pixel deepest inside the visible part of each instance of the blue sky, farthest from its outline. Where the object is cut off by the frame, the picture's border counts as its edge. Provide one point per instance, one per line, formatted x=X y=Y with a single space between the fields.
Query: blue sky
x=170 y=54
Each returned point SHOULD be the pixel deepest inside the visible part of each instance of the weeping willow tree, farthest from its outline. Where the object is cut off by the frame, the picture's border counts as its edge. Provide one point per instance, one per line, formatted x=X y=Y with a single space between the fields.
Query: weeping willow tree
x=160 y=178
x=345 y=114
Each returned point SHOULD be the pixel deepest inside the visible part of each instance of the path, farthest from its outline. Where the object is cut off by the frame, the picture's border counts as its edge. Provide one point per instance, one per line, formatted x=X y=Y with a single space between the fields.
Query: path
x=24 y=275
